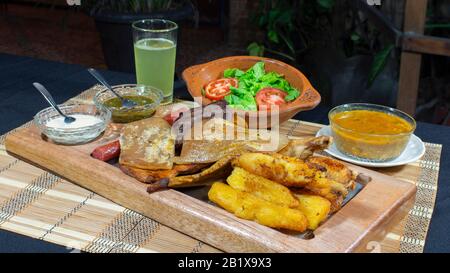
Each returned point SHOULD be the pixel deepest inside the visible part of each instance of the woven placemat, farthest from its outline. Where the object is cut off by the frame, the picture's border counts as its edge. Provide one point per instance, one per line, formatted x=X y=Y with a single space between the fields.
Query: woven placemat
x=41 y=205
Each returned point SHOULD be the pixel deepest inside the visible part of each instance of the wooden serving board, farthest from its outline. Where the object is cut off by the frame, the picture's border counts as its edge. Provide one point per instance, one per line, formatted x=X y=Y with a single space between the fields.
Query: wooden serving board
x=382 y=202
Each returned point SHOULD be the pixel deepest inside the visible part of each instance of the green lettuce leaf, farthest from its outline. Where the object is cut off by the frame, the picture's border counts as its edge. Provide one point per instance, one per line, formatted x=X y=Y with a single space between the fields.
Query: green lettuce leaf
x=251 y=82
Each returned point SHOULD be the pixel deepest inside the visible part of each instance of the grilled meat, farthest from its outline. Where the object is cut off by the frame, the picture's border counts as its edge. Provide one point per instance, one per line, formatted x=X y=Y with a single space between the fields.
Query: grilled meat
x=335 y=170
x=152 y=176
x=306 y=147
x=291 y=172
x=219 y=170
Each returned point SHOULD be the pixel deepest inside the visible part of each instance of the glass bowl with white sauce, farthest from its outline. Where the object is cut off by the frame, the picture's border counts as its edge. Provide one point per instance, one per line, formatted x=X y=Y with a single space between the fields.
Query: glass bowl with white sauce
x=89 y=124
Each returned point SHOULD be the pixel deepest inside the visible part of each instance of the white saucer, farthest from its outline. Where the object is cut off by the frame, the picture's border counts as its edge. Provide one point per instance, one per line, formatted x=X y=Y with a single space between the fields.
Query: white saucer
x=413 y=152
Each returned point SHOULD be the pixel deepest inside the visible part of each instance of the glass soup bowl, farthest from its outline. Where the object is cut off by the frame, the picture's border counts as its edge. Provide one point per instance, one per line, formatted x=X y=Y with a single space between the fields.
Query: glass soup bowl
x=374 y=146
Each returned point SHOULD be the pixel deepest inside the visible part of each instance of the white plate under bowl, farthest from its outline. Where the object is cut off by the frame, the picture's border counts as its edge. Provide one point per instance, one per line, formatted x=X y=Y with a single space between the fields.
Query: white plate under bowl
x=413 y=152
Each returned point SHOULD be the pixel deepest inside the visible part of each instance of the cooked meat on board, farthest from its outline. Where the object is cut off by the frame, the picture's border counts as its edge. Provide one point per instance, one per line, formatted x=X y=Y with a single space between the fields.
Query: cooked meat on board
x=283 y=186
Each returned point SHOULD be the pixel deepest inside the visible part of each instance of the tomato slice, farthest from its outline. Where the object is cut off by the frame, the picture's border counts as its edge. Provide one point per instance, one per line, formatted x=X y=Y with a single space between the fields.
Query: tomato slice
x=270 y=96
x=174 y=115
x=218 y=89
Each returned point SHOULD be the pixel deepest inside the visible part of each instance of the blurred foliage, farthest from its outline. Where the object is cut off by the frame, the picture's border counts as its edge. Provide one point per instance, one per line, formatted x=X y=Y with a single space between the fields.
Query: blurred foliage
x=438 y=14
x=293 y=27
x=132 y=6
x=288 y=25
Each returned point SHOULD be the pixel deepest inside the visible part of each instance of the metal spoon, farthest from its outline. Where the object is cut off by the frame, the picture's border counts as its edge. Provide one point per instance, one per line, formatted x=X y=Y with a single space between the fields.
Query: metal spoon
x=49 y=98
x=125 y=102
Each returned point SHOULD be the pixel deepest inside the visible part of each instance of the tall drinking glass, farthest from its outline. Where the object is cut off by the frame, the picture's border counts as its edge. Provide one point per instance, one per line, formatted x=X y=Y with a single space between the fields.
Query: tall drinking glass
x=155 y=43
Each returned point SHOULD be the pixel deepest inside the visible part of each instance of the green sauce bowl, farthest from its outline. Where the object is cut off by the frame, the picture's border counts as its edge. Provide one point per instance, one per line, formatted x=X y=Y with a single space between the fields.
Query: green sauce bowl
x=148 y=99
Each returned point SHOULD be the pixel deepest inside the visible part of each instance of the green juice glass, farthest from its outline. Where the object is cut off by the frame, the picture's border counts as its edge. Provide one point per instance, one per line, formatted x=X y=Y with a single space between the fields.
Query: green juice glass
x=155 y=47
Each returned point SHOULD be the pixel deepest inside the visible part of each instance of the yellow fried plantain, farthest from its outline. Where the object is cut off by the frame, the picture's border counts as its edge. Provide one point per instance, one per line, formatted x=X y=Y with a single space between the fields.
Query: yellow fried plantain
x=250 y=207
x=261 y=187
x=336 y=203
x=315 y=208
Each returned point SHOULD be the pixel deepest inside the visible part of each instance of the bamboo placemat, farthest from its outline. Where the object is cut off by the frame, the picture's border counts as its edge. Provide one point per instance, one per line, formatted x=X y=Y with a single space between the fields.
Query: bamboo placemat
x=41 y=205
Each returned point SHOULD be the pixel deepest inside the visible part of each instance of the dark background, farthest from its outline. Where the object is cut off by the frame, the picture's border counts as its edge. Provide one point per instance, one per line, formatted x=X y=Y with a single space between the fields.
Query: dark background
x=335 y=47
x=39 y=38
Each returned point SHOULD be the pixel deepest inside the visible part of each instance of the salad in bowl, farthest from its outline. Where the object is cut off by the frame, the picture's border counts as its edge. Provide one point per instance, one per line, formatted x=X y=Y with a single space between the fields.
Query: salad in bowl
x=250 y=85
x=252 y=89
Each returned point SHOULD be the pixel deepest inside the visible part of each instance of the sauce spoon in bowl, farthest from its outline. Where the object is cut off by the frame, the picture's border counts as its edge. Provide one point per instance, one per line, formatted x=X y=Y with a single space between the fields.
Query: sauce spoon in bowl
x=49 y=98
x=125 y=102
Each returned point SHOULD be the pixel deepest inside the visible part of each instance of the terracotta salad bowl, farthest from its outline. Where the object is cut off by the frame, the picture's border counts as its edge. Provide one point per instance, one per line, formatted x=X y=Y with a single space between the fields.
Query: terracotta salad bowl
x=198 y=76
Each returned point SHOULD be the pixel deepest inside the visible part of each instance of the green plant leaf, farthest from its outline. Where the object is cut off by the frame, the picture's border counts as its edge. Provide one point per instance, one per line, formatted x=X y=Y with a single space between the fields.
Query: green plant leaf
x=326 y=4
x=273 y=36
x=293 y=94
x=355 y=37
x=255 y=49
x=378 y=64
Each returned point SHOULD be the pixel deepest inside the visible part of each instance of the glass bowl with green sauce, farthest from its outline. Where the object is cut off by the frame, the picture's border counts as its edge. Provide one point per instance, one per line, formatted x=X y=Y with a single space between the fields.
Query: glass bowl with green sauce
x=147 y=98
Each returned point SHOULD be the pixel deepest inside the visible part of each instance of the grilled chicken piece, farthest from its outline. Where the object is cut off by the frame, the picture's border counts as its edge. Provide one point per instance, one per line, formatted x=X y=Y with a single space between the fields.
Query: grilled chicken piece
x=210 y=151
x=151 y=176
x=204 y=151
x=335 y=170
x=291 y=172
x=328 y=189
x=219 y=170
x=288 y=171
x=147 y=176
x=306 y=147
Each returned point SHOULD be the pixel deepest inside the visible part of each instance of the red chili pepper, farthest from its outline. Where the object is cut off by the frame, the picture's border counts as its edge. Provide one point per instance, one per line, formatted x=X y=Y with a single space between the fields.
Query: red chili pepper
x=107 y=152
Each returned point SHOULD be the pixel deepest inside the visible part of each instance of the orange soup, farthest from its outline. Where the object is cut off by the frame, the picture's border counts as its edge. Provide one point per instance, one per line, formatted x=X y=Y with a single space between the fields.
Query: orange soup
x=370 y=135
x=372 y=122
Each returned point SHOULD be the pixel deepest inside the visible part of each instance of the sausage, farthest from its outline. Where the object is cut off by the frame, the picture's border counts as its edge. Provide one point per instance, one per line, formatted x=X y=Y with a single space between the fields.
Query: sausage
x=107 y=152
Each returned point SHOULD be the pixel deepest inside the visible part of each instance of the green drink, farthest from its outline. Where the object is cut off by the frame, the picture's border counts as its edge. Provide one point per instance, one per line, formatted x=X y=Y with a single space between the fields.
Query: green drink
x=155 y=64
x=155 y=46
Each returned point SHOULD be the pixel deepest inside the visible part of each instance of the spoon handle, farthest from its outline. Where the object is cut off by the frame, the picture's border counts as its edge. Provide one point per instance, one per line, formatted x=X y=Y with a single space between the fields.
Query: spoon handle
x=48 y=97
x=103 y=81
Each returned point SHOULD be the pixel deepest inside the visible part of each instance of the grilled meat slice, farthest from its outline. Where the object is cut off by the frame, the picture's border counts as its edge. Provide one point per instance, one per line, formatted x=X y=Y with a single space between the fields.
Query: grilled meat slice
x=219 y=170
x=204 y=151
x=211 y=150
x=147 y=176
x=147 y=144
x=152 y=176
x=306 y=147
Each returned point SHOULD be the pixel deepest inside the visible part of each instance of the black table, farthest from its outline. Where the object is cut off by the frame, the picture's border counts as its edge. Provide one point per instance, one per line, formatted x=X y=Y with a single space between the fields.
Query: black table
x=20 y=102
